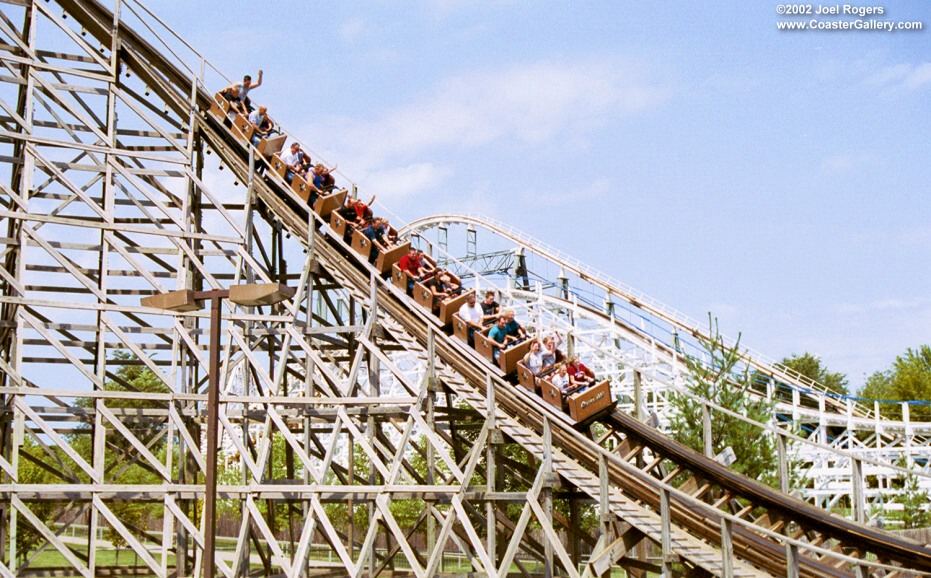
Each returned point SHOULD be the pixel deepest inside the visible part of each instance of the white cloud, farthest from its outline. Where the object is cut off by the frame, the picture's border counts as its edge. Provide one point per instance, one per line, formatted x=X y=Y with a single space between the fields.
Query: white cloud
x=902 y=76
x=352 y=29
x=396 y=183
x=529 y=104
x=919 y=76
x=596 y=190
x=847 y=163
x=889 y=305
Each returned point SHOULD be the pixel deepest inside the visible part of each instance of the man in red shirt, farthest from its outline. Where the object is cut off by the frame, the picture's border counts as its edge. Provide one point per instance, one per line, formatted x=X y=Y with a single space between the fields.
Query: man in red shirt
x=411 y=264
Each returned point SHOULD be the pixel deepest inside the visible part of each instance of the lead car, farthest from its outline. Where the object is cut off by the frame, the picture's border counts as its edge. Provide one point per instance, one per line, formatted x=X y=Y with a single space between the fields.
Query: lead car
x=582 y=406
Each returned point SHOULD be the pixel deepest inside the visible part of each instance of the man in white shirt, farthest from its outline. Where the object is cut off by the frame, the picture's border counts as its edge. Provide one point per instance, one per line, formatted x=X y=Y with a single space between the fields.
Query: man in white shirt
x=294 y=161
x=471 y=313
x=262 y=124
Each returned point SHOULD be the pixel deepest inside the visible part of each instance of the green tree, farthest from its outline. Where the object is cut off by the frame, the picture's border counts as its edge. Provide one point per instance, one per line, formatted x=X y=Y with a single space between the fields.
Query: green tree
x=39 y=466
x=909 y=379
x=812 y=367
x=879 y=386
x=719 y=379
x=31 y=472
x=914 y=502
x=123 y=464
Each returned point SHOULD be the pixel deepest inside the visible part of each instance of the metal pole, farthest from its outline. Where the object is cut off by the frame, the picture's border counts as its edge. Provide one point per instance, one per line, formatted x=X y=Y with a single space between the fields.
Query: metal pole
x=548 y=567
x=213 y=408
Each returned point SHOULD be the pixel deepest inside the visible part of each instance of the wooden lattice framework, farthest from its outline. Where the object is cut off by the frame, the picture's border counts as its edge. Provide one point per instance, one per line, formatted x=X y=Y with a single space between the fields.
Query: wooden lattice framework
x=342 y=397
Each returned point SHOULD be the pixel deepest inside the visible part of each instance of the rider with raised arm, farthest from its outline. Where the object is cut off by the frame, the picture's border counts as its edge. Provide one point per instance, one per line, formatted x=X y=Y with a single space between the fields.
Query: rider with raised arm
x=244 y=88
x=534 y=358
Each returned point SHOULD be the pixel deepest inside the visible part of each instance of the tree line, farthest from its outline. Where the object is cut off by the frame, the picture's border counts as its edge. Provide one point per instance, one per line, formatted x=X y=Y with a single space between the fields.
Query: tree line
x=718 y=375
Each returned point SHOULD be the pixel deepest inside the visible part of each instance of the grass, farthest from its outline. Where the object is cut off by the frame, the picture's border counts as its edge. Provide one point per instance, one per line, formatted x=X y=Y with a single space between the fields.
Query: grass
x=105 y=557
x=108 y=557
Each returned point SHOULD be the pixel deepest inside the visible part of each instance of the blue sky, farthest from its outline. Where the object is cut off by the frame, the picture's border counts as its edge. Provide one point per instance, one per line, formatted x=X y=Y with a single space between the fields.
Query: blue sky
x=777 y=179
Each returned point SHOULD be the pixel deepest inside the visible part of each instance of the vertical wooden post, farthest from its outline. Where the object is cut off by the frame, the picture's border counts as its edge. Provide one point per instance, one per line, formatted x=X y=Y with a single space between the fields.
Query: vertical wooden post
x=666 y=535
x=491 y=468
x=547 y=492
x=791 y=561
x=783 y=463
x=574 y=536
x=374 y=378
x=858 y=497
x=213 y=410
x=727 y=549
x=639 y=408
x=429 y=402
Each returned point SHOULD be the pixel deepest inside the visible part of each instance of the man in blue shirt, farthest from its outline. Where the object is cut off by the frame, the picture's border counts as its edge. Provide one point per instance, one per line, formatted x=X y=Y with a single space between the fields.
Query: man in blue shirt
x=511 y=327
x=499 y=335
x=377 y=233
x=376 y=230
x=322 y=182
x=323 y=179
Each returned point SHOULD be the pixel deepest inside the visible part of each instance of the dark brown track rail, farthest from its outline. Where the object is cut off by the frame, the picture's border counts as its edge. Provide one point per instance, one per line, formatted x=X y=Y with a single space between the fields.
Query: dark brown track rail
x=174 y=87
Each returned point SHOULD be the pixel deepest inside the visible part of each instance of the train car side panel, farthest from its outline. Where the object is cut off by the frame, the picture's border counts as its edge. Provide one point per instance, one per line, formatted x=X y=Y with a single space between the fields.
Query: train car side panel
x=278 y=166
x=326 y=204
x=271 y=146
x=590 y=402
x=242 y=128
x=551 y=394
x=526 y=377
x=509 y=357
x=485 y=345
x=460 y=328
x=300 y=187
x=452 y=305
x=424 y=297
x=391 y=256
